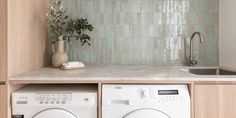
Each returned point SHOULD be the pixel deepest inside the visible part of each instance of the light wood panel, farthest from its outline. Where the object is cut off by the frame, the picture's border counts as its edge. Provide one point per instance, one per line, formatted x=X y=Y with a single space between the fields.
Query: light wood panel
x=3 y=39
x=99 y=100
x=206 y=101
x=191 y=92
x=215 y=101
x=27 y=35
x=2 y=101
x=228 y=101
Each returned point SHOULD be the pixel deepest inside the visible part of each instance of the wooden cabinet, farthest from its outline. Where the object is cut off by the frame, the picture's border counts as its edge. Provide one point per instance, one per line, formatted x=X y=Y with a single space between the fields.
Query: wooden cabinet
x=3 y=55
x=2 y=101
x=215 y=101
x=28 y=44
x=3 y=40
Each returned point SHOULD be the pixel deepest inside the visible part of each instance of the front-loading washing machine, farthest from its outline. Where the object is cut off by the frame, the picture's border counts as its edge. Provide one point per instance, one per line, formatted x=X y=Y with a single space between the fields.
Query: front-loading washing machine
x=145 y=101
x=55 y=101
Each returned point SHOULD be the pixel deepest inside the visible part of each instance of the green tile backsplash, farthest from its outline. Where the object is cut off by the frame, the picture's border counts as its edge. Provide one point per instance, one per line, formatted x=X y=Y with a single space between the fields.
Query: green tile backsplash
x=147 y=32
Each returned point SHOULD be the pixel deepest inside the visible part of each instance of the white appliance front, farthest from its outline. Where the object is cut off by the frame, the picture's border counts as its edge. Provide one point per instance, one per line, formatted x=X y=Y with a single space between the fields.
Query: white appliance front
x=145 y=101
x=42 y=101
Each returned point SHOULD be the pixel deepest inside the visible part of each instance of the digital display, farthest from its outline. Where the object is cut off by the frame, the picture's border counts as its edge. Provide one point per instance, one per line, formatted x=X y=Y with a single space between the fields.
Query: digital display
x=168 y=92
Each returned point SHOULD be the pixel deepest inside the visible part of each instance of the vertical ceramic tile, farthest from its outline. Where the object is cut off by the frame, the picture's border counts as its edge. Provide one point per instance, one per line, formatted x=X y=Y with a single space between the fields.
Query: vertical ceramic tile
x=146 y=32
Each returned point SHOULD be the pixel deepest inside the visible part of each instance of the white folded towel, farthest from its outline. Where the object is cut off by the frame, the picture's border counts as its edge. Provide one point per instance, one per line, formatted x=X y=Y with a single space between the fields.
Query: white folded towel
x=72 y=65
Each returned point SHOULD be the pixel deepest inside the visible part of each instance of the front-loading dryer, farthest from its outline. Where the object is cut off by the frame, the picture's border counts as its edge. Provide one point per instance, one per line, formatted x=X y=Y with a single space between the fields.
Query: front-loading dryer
x=55 y=101
x=145 y=101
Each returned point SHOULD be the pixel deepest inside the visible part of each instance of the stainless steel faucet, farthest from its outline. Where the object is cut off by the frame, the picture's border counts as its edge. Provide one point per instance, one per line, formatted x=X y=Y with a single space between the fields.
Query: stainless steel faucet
x=193 y=62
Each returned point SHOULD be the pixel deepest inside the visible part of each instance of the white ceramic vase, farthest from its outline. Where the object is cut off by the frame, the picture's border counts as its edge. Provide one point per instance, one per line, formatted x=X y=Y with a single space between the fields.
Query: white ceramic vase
x=59 y=54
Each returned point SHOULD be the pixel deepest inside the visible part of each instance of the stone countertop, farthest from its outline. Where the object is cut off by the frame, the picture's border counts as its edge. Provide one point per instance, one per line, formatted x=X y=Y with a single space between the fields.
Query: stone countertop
x=115 y=73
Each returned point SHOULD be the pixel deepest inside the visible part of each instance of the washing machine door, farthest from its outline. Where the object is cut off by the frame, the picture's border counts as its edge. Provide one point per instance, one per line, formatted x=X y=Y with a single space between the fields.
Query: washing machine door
x=55 y=113
x=146 y=113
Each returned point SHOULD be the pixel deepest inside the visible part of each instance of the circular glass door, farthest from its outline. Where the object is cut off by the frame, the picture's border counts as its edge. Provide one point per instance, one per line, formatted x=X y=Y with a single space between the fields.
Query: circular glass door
x=146 y=113
x=55 y=113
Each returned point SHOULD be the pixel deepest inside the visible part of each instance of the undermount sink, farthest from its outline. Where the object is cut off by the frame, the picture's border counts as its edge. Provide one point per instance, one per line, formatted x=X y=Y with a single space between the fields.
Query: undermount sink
x=211 y=71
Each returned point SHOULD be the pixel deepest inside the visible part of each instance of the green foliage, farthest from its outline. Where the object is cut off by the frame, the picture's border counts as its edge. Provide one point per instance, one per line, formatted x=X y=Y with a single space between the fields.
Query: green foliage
x=77 y=29
x=57 y=19
x=61 y=25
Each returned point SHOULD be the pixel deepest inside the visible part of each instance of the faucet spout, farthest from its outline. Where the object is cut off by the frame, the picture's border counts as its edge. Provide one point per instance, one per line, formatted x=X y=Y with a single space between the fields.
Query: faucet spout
x=200 y=36
x=193 y=62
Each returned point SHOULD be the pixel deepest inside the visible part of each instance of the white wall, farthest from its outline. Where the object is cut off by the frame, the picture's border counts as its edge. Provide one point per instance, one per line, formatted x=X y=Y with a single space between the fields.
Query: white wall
x=227 y=33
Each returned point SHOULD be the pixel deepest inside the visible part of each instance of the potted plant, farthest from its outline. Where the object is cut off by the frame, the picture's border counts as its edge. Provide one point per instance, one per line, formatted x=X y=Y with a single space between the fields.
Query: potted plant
x=64 y=29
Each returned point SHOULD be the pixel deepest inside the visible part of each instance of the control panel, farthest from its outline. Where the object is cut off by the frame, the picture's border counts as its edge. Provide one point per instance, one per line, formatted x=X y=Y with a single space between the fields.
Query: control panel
x=166 y=95
x=82 y=99
x=162 y=95
x=53 y=98
x=144 y=94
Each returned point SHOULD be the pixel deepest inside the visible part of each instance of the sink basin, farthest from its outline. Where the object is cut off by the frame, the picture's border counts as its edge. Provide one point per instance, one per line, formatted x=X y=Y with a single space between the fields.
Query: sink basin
x=211 y=71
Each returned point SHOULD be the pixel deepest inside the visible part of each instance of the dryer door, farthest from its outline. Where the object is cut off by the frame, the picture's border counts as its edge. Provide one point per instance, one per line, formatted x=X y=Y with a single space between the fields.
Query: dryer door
x=146 y=113
x=55 y=113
